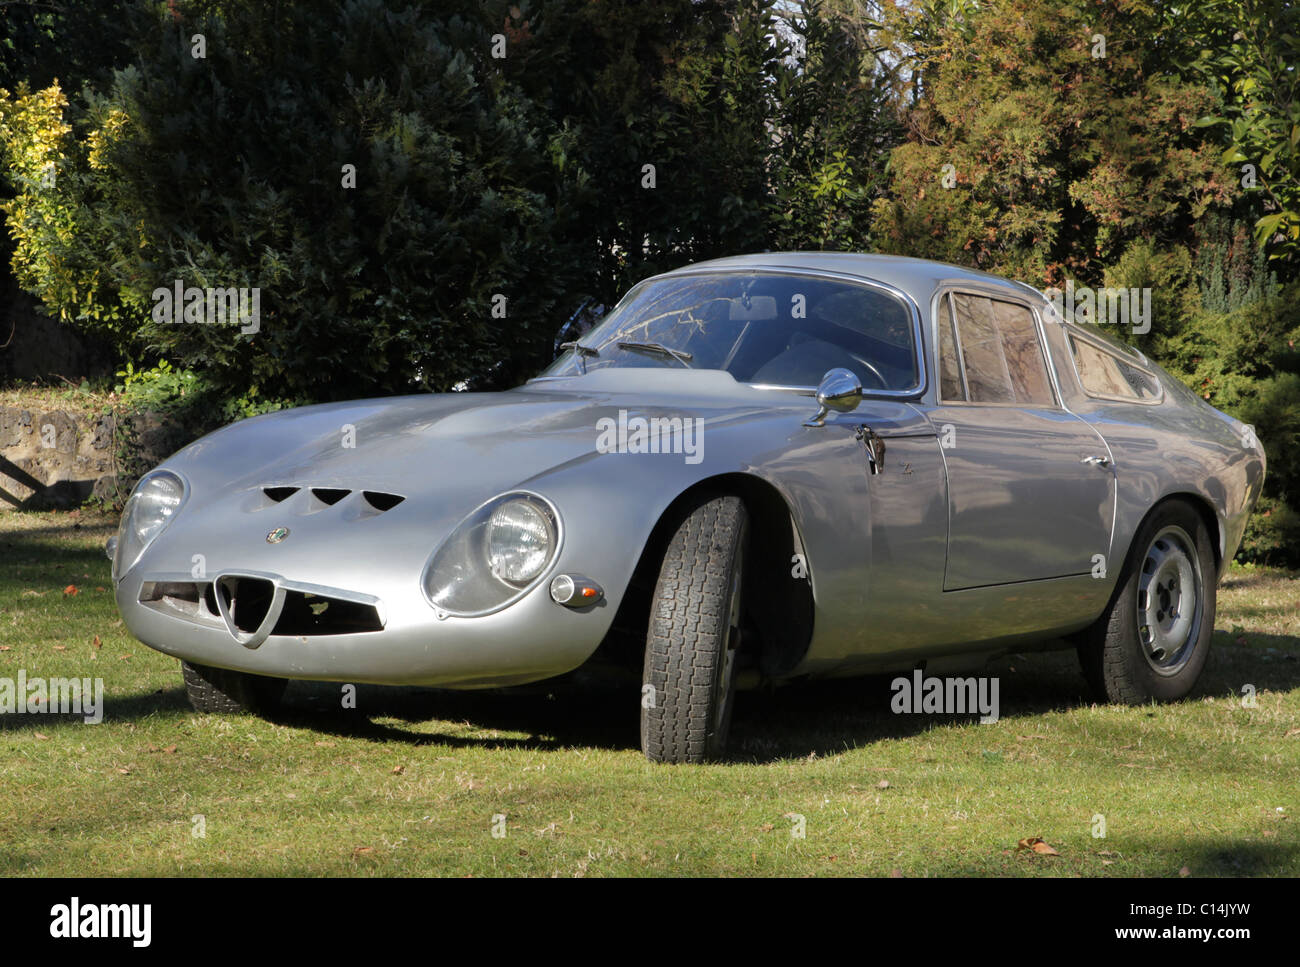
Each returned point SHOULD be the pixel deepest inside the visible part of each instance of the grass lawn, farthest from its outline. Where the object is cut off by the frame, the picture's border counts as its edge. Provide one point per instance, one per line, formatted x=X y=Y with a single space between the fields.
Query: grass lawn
x=410 y=781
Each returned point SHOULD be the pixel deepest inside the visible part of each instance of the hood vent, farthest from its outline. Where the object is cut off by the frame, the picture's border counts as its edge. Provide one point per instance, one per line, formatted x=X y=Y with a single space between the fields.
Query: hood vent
x=381 y=502
x=372 y=501
x=329 y=495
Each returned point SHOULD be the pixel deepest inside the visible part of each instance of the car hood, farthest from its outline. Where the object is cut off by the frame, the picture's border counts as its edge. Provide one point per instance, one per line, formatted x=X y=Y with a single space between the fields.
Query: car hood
x=453 y=444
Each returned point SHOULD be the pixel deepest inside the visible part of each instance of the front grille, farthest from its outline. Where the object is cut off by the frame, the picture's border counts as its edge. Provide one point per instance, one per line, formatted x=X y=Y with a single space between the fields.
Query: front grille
x=185 y=599
x=313 y=614
x=247 y=599
x=305 y=614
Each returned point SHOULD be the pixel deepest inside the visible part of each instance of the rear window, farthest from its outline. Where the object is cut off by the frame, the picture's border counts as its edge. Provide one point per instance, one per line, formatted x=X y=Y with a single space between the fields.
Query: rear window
x=1104 y=374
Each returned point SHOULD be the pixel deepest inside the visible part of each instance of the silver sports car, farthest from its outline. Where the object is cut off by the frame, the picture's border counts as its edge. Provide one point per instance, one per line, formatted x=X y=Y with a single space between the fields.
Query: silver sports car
x=752 y=470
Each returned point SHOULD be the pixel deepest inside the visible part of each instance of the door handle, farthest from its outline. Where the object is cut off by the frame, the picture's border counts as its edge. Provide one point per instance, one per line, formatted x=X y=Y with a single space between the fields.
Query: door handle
x=875 y=447
x=1096 y=461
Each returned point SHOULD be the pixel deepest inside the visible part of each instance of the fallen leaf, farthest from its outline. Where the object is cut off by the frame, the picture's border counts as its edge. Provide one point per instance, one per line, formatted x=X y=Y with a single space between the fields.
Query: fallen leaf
x=398 y=770
x=101 y=589
x=125 y=772
x=169 y=749
x=1037 y=845
x=96 y=643
x=123 y=657
x=60 y=647
x=883 y=784
x=6 y=647
x=40 y=735
x=767 y=827
x=362 y=850
x=1291 y=732
x=70 y=590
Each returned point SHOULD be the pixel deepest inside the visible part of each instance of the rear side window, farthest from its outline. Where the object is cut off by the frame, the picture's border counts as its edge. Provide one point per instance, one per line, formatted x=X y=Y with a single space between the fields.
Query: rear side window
x=1000 y=353
x=1104 y=374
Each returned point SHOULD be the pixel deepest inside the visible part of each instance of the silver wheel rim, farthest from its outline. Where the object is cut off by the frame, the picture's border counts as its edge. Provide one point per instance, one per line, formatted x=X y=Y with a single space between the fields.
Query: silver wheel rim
x=730 y=647
x=1169 y=601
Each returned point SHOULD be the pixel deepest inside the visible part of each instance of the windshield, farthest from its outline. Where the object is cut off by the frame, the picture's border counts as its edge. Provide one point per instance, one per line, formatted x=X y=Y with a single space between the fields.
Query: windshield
x=762 y=327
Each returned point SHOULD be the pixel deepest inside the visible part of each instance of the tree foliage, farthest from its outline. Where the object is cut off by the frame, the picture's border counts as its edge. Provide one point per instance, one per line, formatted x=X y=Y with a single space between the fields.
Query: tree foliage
x=424 y=193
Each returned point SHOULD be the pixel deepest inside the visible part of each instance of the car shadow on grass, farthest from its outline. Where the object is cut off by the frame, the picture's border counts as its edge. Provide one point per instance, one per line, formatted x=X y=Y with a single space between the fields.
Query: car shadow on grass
x=798 y=720
x=815 y=718
x=123 y=708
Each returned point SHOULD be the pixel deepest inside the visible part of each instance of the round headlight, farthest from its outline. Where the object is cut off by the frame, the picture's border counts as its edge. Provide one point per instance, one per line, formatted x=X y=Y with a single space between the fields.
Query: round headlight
x=493 y=557
x=156 y=501
x=151 y=508
x=520 y=535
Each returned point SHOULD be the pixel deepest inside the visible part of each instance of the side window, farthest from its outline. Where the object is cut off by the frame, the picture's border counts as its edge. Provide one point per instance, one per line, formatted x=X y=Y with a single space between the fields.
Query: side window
x=1001 y=353
x=1024 y=353
x=950 y=384
x=1104 y=374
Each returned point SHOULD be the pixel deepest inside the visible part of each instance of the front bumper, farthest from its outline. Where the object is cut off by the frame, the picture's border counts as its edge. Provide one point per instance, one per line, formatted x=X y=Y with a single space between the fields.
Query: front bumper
x=533 y=639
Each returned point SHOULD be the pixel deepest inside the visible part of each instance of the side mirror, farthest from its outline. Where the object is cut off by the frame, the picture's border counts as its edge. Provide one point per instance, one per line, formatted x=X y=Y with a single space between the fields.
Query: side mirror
x=840 y=390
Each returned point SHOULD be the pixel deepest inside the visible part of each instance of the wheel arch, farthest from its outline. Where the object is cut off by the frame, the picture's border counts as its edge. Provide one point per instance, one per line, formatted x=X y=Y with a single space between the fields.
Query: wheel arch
x=1208 y=514
x=780 y=605
x=1204 y=509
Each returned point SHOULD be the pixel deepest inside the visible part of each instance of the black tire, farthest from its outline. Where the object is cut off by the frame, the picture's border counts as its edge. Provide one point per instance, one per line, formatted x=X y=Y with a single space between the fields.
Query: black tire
x=221 y=691
x=1132 y=661
x=694 y=636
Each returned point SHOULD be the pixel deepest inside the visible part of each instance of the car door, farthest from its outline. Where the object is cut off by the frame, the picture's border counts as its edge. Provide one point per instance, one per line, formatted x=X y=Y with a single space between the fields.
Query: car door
x=1031 y=492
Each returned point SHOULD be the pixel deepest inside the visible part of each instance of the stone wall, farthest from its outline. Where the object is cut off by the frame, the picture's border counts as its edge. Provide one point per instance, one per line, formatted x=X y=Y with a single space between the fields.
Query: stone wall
x=54 y=457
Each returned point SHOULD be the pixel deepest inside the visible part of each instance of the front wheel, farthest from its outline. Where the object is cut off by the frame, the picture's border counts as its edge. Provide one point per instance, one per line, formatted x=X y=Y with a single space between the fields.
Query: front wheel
x=694 y=636
x=219 y=690
x=1152 y=641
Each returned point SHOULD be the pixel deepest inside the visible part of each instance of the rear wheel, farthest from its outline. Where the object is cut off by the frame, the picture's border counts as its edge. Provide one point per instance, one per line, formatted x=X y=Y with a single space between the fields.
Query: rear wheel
x=694 y=636
x=221 y=691
x=1153 y=639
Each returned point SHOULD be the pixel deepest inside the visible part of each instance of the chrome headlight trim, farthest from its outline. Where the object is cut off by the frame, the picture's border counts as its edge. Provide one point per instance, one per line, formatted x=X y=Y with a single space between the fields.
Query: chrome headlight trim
x=475 y=565
x=130 y=548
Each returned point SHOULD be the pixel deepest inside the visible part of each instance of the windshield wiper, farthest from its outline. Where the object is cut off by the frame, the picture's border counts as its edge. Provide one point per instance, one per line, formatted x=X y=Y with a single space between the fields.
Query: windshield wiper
x=660 y=349
x=582 y=351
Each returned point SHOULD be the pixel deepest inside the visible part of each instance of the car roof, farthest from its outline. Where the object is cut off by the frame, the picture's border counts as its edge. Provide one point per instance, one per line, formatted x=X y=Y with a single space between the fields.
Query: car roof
x=917 y=277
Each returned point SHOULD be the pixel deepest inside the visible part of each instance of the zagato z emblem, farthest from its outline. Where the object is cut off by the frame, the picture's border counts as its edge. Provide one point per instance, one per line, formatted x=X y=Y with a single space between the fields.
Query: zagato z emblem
x=277 y=535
